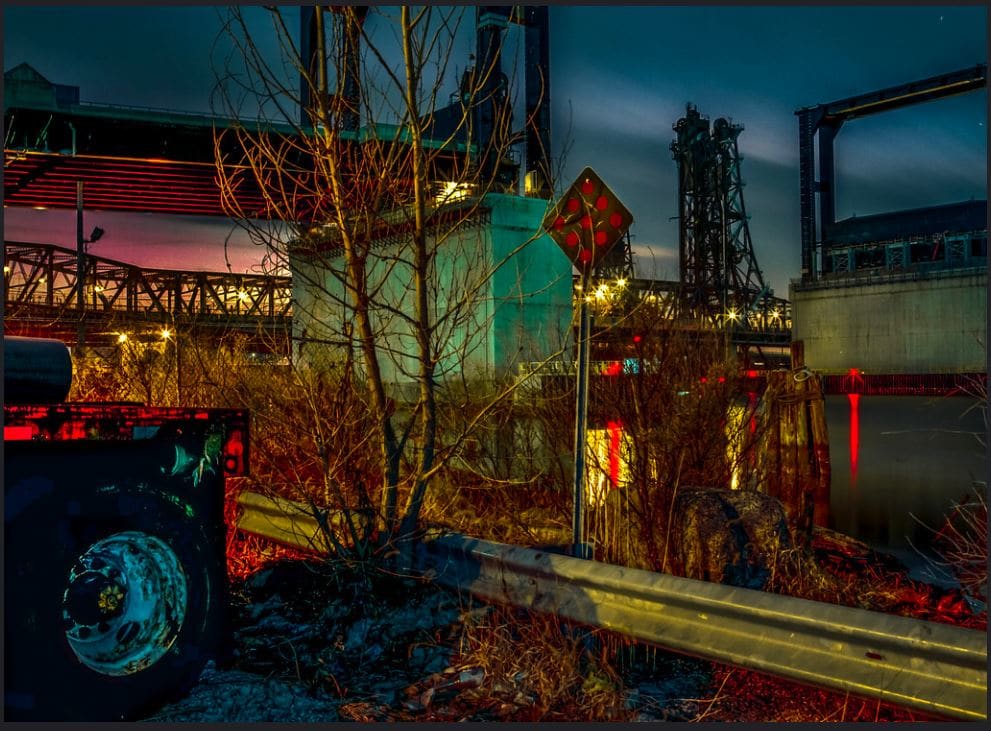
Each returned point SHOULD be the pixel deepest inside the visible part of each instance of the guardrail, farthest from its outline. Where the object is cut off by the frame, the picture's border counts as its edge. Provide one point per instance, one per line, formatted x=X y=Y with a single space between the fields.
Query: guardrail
x=931 y=667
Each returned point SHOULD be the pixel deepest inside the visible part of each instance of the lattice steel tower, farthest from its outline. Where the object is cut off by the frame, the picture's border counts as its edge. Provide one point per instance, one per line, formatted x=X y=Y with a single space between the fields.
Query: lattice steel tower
x=720 y=280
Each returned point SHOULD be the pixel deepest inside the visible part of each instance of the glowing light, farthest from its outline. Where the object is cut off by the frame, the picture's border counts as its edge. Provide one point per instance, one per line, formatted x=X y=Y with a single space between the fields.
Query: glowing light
x=122 y=338
x=620 y=282
x=732 y=315
x=853 y=381
x=166 y=333
x=40 y=208
x=601 y=291
x=752 y=410
x=242 y=295
x=453 y=191
x=854 y=436
x=615 y=434
x=776 y=315
x=6 y=269
x=609 y=454
x=98 y=288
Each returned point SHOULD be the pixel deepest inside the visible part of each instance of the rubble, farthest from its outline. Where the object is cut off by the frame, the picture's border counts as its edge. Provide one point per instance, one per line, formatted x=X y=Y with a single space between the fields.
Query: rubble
x=311 y=645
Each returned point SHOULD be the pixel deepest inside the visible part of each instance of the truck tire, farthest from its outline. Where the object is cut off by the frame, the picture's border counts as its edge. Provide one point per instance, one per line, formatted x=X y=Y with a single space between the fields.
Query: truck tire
x=114 y=602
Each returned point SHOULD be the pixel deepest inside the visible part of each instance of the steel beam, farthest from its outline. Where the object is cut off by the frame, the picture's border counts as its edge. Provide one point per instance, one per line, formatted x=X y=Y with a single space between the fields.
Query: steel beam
x=825 y=121
x=916 y=92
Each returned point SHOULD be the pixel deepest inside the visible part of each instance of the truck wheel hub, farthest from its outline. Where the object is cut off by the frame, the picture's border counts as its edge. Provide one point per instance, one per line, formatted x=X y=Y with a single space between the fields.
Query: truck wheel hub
x=124 y=603
x=94 y=597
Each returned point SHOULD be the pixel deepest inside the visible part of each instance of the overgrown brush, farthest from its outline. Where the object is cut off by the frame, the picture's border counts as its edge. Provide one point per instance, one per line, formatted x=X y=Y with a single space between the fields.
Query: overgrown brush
x=547 y=670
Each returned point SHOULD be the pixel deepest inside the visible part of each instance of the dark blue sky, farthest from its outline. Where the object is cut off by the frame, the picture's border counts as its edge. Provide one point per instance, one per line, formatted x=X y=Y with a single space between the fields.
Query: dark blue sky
x=620 y=78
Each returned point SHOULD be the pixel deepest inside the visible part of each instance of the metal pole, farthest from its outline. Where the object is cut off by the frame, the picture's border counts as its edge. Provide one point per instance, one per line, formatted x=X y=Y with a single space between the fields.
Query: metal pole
x=80 y=269
x=178 y=370
x=581 y=413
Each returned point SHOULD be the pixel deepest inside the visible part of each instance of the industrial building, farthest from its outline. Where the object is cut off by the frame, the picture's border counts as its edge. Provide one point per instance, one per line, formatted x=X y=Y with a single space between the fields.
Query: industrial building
x=899 y=293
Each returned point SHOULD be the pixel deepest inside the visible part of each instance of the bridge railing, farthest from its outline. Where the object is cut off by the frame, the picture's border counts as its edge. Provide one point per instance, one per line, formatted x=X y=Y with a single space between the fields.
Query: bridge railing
x=47 y=275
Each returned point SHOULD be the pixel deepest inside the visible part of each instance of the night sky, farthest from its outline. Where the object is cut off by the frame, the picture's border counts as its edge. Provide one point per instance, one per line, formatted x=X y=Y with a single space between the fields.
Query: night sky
x=620 y=78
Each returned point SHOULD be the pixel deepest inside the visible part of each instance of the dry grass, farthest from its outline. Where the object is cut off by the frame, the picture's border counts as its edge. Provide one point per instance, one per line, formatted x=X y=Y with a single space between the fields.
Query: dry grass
x=744 y=695
x=537 y=669
x=962 y=544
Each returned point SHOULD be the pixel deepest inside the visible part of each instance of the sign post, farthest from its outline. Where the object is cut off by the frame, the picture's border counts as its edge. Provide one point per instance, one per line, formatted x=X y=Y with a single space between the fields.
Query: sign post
x=586 y=223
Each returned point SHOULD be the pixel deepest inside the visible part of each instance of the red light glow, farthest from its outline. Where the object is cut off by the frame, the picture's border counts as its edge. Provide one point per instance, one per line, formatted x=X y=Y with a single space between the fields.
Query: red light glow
x=19 y=433
x=752 y=408
x=234 y=448
x=615 y=430
x=854 y=435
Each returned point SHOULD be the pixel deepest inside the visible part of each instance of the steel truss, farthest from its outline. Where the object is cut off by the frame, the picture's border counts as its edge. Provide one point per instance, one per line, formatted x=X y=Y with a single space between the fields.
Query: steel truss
x=40 y=296
x=722 y=285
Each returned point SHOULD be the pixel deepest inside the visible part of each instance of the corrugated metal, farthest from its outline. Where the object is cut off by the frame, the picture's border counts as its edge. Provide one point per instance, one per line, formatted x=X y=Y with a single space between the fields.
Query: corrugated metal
x=923 y=665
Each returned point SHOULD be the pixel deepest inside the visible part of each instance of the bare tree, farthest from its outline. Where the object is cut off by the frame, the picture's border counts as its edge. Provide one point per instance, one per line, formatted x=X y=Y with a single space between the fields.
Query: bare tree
x=399 y=292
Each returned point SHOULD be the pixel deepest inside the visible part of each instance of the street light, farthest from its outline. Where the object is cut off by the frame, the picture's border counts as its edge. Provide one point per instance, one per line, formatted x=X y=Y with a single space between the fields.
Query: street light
x=81 y=242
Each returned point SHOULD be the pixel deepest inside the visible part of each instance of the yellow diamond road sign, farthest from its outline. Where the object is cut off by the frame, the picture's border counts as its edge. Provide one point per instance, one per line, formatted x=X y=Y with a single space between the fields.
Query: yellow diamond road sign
x=587 y=221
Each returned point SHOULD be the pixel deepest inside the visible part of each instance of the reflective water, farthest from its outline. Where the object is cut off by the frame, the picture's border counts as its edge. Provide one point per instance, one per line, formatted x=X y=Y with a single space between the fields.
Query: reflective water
x=895 y=457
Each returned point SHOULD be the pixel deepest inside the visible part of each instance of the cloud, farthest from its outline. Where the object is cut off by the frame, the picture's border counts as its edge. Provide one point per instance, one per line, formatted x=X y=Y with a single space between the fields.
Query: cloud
x=614 y=105
x=655 y=261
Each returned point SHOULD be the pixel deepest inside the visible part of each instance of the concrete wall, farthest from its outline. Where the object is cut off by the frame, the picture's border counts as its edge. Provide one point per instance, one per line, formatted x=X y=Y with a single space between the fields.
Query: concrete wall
x=517 y=281
x=935 y=325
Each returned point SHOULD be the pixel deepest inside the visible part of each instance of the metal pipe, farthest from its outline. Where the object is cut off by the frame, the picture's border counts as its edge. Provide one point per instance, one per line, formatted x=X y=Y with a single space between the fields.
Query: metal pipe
x=80 y=269
x=581 y=419
x=35 y=370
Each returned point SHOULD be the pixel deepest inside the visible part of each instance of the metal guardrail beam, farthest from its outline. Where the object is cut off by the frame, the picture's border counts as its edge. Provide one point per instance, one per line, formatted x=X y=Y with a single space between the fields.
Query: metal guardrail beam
x=286 y=521
x=931 y=667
